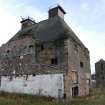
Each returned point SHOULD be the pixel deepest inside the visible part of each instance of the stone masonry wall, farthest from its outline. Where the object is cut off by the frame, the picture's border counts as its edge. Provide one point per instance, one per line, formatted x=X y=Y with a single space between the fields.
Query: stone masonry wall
x=25 y=56
x=16 y=55
x=52 y=50
x=78 y=69
x=100 y=73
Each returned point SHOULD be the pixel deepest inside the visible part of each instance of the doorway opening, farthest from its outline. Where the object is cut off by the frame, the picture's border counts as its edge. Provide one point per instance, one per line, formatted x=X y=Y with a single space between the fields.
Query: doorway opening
x=75 y=91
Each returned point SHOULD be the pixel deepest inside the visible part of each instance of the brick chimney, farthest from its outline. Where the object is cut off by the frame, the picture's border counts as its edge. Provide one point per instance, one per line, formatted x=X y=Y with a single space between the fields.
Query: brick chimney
x=26 y=22
x=57 y=11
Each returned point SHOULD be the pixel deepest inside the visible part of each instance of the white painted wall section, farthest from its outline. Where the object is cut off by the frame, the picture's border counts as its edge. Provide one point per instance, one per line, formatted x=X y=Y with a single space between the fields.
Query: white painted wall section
x=46 y=85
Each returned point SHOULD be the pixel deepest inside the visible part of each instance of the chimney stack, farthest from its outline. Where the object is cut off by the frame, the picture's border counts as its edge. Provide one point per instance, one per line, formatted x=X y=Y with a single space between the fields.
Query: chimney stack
x=26 y=22
x=57 y=11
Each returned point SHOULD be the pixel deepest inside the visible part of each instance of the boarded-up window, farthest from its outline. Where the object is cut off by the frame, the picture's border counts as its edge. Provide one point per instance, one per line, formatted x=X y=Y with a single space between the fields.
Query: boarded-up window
x=74 y=77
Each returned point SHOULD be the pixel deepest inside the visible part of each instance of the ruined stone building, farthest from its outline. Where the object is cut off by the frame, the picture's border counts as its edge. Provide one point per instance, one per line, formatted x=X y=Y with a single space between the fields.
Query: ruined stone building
x=45 y=58
x=100 y=73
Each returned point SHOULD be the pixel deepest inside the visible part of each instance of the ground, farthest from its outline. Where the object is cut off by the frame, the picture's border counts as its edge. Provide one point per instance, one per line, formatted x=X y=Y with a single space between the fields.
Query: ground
x=22 y=99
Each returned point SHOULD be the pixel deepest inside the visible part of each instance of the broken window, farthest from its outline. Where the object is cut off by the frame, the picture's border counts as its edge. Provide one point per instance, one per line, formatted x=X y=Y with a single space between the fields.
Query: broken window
x=81 y=64
x=8 y=51
x=54 y=61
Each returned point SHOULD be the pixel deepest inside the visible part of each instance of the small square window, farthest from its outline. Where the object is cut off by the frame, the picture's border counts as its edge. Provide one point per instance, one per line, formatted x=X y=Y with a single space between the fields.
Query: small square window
x=54 y=61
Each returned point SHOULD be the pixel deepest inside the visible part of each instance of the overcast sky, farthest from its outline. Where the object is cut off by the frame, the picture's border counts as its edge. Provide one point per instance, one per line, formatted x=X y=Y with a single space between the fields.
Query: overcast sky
x=85 y=17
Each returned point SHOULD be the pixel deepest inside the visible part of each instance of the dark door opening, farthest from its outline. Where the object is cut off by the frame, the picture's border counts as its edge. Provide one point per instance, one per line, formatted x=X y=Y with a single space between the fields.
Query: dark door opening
x=75 y=91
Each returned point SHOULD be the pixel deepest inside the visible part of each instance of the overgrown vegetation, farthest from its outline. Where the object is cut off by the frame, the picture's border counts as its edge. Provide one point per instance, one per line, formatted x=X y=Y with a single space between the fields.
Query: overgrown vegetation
x=97 y=97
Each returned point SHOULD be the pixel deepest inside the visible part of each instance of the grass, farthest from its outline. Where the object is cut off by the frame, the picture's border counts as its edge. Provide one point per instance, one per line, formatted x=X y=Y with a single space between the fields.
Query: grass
x=23 y=99
x=96 y=98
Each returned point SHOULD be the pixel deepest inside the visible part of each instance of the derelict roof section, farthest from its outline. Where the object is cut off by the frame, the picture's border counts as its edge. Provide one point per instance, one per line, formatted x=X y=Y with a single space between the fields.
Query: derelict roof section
x=49 y=30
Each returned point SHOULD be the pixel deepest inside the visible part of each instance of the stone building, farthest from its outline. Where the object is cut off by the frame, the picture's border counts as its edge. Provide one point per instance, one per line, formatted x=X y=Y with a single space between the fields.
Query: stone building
x=45 y=58
x=100 y=73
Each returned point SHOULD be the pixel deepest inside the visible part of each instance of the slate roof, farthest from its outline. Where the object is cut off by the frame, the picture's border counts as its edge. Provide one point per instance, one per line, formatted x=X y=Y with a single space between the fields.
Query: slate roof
x=100 y=61
x=49 y=30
